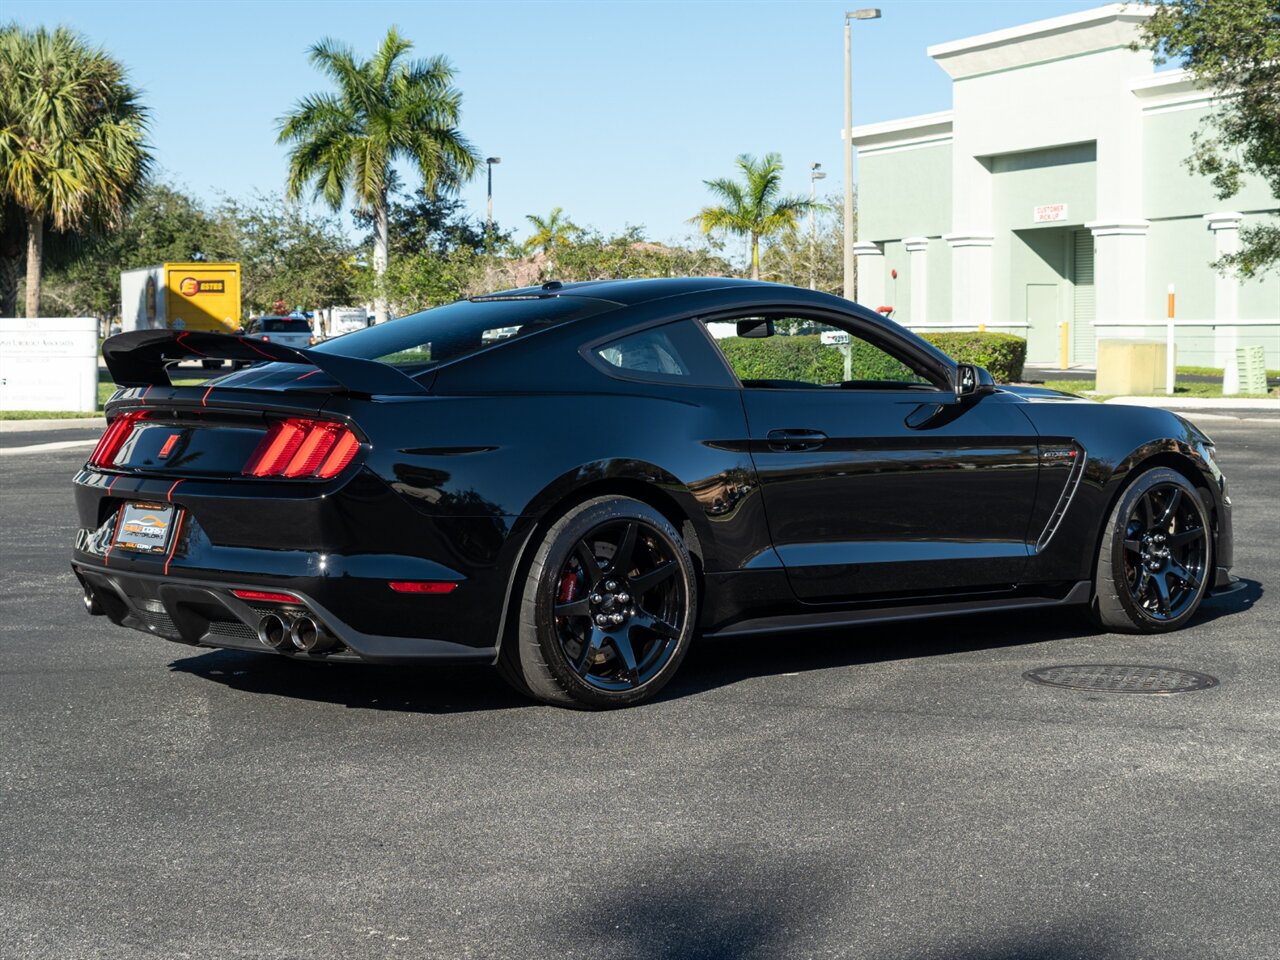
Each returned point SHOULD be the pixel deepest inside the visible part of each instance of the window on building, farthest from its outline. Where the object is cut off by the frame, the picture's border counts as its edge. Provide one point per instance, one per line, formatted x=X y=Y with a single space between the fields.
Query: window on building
x=803 y=353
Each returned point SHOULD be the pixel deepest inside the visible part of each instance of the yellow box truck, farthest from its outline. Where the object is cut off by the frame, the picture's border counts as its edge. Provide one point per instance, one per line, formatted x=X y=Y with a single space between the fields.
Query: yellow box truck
x=181 y=296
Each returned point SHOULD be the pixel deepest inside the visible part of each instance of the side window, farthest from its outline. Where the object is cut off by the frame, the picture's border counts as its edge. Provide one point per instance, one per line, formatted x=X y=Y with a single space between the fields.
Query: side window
x=674 y=353
x=799 y=353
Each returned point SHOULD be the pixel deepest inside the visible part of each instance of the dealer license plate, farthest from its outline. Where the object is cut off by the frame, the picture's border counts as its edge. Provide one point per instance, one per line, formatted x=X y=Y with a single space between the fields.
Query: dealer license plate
x=145 y=527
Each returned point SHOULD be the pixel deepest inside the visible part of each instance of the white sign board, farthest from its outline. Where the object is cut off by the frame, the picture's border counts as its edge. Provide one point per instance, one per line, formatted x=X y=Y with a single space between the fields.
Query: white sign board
x=50 y=363
x=834 y=338
x=347 y=320
x=1049 y=213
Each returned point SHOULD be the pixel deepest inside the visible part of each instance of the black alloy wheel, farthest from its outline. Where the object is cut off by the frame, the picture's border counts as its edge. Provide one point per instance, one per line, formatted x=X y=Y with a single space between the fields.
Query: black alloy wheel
x=1158 y=555
x=609 y=607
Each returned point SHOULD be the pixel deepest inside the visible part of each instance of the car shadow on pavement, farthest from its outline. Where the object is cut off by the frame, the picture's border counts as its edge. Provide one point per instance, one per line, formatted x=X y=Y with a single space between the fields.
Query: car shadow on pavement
x=439 y=688
x=716 y=905
x=720 y=662
x=711 y=663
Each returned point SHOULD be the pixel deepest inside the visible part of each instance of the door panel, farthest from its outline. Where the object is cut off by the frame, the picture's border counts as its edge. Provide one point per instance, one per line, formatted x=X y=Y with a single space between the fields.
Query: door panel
x=860 y=504
x=1043 y=341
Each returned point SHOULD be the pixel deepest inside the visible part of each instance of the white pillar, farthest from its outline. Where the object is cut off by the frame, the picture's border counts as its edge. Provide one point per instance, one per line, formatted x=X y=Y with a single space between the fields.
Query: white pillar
x=1226 y=297
x=870 y=274
x=918 y=248
x=970 y=278
x=1120 y=270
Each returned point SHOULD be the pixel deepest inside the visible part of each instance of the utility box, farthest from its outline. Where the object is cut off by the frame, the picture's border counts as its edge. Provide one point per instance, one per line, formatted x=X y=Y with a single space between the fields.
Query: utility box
x=1251 y=370
x=1132 y=367
x=181 y=296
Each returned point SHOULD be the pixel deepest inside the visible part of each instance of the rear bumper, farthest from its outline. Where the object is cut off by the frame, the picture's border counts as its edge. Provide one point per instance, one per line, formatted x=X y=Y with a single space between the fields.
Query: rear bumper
x=207 y=613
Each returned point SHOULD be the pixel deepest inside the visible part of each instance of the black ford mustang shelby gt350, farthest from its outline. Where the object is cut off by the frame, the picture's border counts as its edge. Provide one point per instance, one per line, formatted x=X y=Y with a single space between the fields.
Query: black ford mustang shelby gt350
x=571 y=481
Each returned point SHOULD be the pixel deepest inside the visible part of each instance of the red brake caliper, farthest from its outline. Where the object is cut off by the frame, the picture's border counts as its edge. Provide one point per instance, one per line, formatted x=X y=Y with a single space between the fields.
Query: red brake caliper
x=568 y=587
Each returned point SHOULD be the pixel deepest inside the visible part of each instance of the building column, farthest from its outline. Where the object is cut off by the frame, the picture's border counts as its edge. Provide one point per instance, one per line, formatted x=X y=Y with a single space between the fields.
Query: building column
x=918 y=248
x=870 y=274
x=970 y=277
x=1226 y=297
x=1119 y=270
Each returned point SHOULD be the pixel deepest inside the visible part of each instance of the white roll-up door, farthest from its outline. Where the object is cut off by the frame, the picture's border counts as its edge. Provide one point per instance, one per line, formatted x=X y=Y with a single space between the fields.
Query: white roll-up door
x=1082 y=335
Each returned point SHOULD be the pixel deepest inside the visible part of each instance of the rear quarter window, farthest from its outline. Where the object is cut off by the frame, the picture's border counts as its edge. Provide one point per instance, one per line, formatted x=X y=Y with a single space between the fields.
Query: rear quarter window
x=673 y=353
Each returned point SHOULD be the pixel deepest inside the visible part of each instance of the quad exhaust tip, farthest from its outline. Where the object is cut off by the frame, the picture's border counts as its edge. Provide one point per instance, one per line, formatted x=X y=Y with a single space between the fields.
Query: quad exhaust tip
x=273 y=631
x=309 y=637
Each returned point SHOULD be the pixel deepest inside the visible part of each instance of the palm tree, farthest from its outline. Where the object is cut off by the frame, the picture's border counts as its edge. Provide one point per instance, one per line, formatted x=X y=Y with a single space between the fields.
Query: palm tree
x=752 y=208
x=550 y=233
x=385 y=110
x=72 y=138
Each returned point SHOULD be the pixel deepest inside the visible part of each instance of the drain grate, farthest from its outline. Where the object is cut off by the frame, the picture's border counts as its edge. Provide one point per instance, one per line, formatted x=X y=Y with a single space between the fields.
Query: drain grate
x=1121 y=678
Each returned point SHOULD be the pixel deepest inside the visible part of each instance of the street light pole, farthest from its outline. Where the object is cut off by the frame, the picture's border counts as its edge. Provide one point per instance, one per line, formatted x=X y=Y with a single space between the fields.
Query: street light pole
x=488 y=215
x=815 y=174
x=869 y=13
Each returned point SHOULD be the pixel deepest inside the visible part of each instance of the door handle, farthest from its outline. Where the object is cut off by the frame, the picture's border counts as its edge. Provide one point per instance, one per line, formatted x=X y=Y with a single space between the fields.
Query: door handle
x=796 y=439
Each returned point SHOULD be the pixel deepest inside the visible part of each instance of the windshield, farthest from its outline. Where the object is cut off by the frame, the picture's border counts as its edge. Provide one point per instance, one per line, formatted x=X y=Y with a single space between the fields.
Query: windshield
x=284 y=325
x=428 y=339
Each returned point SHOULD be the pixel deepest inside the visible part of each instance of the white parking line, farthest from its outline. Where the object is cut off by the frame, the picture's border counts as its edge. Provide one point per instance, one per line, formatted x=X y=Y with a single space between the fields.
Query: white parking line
x=46 y=447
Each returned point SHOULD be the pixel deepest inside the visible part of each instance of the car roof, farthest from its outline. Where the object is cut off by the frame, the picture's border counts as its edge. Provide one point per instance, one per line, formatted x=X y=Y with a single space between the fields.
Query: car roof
x=625 y=292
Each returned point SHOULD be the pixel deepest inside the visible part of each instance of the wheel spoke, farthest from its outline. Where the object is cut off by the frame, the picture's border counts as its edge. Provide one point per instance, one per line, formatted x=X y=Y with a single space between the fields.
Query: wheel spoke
x=647 y=581
x=574 y=608
x=621 y=563
x=622 y=643
x=1162 y=590
x=587 y=557
x=1166 y=518
x=1184 y=537
x=1144 y=581
x=590 y=646
x=1148 y=517
x=1183 y=574
x=659 y=626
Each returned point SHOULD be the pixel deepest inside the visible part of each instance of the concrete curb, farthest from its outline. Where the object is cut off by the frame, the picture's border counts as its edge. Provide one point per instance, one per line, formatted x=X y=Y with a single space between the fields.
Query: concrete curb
x=31 y=426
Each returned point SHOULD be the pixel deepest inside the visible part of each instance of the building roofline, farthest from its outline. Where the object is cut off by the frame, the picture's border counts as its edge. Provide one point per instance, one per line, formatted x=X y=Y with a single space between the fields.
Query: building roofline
x=1026 y=31
x=902 y=129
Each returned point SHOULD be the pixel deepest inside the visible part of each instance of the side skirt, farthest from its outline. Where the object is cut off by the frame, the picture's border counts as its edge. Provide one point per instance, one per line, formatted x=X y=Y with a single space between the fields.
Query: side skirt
x=1079 y=594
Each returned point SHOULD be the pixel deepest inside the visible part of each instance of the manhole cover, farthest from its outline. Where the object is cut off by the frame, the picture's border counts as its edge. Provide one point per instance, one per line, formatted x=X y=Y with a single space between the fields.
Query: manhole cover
x=1121 y=678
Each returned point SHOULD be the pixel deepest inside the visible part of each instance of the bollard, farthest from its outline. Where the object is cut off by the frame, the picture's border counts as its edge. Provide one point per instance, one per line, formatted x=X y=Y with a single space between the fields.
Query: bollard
x=1063 y=342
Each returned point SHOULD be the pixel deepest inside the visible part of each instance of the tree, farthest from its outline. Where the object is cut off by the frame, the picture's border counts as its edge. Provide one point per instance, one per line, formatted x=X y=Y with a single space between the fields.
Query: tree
x=289 y=253
x=72 y=138
x=422 y=222
x=593 y=256
x=385 y=110
x=787 y=258
x=753 y=207
x=163 y=224
x=550 y=234
x=1233 y=49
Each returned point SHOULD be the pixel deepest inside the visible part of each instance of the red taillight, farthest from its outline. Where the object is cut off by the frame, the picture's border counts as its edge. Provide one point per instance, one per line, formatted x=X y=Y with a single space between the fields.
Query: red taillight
x=104 y=454
x=303 y=448
x=422 y=586
x=265 y=595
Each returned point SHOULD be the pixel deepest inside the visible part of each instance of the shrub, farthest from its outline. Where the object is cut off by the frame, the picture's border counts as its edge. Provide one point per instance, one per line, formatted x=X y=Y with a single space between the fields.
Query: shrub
x=1002 y=354
x=803 y=357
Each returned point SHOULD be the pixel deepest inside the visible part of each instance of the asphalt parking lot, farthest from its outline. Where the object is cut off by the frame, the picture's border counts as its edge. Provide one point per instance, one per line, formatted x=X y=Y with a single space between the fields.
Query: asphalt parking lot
x=895 y=792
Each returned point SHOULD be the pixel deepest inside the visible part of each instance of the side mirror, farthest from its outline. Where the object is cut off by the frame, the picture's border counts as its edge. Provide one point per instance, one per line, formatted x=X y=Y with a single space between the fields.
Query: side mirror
x=973 y=381
x=756 y=328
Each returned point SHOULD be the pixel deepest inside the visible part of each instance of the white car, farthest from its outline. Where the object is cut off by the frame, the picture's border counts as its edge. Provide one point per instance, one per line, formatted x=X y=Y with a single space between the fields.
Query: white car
x=286 y=331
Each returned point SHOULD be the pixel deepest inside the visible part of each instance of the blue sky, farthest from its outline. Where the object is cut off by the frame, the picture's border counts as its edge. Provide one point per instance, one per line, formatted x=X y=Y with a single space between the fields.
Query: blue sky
x=615 y=111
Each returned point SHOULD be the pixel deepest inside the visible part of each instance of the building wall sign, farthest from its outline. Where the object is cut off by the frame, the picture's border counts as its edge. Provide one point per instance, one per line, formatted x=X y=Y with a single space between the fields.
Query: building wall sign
x=1049 y=213
x=50 y=363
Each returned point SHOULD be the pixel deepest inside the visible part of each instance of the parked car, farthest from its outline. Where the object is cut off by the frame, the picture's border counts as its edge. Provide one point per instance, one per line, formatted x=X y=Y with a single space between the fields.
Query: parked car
x=577 y=497
x=294 y=331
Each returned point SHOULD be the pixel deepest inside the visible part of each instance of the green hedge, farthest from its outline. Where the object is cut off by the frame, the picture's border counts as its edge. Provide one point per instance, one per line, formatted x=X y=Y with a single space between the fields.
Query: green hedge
x=1002 y=354
x=804 y=357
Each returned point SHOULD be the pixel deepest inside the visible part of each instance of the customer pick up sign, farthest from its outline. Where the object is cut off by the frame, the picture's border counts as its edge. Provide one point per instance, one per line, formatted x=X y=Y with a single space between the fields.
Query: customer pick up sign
x=1049 y=213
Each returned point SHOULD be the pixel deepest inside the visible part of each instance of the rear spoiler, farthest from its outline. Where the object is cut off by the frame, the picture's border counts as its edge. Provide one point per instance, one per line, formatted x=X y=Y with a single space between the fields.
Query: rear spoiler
x=141 y=358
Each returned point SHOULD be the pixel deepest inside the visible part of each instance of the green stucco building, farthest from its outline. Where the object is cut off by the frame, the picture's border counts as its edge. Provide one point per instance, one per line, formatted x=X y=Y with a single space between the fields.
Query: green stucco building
x=1055 y=191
